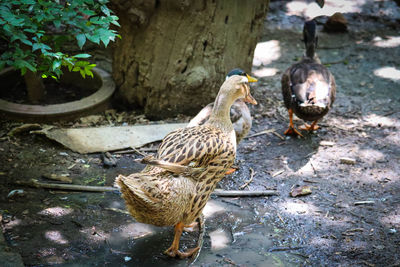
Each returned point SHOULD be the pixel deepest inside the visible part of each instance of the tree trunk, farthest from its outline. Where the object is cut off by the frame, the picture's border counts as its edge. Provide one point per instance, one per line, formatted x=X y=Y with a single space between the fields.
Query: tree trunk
x=34 y=86
x=174 y=55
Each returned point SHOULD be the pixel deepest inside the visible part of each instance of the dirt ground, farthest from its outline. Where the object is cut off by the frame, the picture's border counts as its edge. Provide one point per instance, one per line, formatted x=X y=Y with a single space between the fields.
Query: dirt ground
x=351 y=218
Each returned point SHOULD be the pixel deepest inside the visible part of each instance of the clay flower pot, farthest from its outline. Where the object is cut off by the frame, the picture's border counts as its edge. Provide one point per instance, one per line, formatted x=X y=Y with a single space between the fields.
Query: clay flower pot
x=102 y=85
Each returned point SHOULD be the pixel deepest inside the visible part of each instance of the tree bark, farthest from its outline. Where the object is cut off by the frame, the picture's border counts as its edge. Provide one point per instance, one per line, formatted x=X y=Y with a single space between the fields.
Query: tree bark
x=34 y=86
x=174 y=55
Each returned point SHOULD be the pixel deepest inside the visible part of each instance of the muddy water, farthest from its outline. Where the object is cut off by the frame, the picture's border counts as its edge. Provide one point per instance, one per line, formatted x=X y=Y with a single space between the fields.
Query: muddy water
x=235 y=235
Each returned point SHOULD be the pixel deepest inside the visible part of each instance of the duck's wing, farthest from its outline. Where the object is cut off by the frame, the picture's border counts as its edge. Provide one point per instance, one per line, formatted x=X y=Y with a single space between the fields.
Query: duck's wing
x=195 y=146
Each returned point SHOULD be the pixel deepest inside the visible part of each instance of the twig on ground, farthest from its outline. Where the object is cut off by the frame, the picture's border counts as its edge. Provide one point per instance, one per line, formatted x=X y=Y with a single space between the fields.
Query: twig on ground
x=310 y=181
x=74 y=187
x=280 y=136
x=237 y=193
x=261 y=133
x=252 y=173
x=143 y=154
x=88 y=188
x=280 y=218
x=277 y=173
x=283 y=248
x=118 y=210
x=365 y=202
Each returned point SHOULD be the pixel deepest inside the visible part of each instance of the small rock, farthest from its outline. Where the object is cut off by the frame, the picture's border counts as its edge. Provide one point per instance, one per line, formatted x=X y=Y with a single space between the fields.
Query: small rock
x=336 y=23
x=108 y=160
x=16 y=193
x=65 y=154
x=327 y=143
x=92 y=119
x=346 y=160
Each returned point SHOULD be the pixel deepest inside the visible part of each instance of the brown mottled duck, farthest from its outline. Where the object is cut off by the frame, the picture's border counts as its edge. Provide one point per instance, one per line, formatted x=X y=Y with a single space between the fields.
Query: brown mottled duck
x=240 y=113
x=308 y=88
x=176 y=184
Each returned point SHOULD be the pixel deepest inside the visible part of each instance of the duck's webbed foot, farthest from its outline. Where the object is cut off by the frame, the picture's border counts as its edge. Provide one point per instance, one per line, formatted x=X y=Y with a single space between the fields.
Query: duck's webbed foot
x=308 y=127
x=292 y=131
x=171 y=252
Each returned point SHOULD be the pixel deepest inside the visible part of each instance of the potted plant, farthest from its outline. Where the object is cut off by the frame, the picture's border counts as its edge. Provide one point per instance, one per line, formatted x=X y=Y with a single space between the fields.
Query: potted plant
x=33 y=33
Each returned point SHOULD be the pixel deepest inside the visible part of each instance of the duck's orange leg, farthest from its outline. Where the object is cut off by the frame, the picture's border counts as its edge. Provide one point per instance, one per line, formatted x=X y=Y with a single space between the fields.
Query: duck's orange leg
x=173 y=250
x=230 y=171
x=311 y=127
x=291 y=130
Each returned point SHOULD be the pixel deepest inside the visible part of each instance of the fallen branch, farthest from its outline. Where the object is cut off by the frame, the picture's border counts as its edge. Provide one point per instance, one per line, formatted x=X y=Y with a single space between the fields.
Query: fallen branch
x=283 y=248
x=73 y=187
x=88 y=188
x=261 y=133
x=280 y=136
x=237 y=193
x=252 y=173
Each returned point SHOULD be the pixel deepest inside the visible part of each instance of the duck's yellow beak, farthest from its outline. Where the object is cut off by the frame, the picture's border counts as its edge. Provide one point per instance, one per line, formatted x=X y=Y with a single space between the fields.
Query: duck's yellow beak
x=251 y=79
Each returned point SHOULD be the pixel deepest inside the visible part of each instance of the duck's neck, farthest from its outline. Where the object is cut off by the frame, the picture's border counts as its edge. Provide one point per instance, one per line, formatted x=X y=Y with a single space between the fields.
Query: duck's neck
x=220 y=115
x=310 y=53
x=310 y=50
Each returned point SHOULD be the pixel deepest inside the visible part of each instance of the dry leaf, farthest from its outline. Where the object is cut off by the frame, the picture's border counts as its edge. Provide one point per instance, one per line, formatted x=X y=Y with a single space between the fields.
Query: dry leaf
x=301 y=191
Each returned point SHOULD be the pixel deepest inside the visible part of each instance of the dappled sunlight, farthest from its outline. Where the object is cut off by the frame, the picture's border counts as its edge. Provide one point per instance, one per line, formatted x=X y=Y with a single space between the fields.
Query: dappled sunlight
x=312 y=10
x=375 y=120
x=212 y=207
x=371 y=156
x=56 y=237
x=266 y=52
x=219 y=239
x=389 y=41
x=14 y=223
x=135 y=230
x=296 y=208
x=393 y=219
x=265 y=72
x=388 y=73
x=56 y=212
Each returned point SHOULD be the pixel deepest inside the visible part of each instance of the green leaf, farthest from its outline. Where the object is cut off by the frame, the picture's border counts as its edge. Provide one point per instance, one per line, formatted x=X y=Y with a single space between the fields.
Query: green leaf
x=57 y=23
x=95 y=38
x=81 y=38
x=105 y=10
x=26 y=41
x=82 y=73
x=82 y=56
x=56 y=64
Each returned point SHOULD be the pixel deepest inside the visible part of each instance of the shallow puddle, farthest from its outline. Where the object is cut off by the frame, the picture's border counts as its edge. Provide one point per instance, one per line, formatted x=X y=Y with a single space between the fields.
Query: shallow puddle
x=235 y=236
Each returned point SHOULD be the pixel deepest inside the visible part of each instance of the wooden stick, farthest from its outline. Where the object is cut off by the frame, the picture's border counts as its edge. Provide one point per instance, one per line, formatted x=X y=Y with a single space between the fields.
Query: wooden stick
x=261 y=133
x=252 y=173
x=88 y=188
x=237 y=193
x=74 y=187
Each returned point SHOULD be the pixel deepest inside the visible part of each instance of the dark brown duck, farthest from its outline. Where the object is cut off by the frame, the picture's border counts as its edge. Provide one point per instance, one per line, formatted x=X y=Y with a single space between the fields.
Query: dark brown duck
x=308 y=88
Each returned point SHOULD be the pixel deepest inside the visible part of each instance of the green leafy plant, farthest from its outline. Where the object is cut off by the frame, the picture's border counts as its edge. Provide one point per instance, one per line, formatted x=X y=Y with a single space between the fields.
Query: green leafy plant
x=35 y=30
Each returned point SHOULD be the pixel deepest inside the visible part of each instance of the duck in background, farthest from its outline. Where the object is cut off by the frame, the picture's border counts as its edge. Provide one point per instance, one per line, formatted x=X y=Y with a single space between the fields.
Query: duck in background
x=176 y=184
x=240 y=113
x=308 y=88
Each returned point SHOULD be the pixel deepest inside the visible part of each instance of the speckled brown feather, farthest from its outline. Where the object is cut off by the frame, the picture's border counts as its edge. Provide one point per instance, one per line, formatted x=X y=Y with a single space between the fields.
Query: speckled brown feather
x=161 y=197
